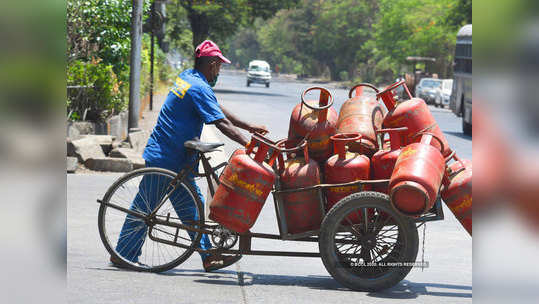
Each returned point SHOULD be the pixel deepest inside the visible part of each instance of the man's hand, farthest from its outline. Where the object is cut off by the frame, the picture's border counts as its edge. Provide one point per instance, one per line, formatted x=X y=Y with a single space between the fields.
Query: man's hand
x=224 y=125
x=242 y=124
x=258 y=129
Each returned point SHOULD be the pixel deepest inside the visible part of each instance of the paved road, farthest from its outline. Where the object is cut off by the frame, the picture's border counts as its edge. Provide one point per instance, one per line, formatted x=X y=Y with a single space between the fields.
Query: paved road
x=448 y=248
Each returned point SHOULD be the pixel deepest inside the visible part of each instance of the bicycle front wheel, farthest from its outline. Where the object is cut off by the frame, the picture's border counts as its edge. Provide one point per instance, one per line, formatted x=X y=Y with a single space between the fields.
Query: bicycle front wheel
x=127 y=237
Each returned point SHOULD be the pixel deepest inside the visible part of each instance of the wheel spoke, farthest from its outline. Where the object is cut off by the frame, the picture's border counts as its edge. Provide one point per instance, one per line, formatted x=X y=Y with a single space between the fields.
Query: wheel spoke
x=366 y=220
x=365 y=254
x=357 y=233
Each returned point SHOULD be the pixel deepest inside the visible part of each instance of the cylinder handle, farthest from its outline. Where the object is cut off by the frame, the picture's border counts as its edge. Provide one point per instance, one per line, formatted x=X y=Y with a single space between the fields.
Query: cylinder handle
x=341 y=139
x=359 y=86
x=427 y=140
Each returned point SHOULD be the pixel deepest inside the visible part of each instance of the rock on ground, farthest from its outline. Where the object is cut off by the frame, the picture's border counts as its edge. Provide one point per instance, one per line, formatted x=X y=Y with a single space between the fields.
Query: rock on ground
x=109 y=164
x=133 y=156
x=84 y=149
x=88 y=145
x=78 y=128
x=138 y=140
x=105 y=141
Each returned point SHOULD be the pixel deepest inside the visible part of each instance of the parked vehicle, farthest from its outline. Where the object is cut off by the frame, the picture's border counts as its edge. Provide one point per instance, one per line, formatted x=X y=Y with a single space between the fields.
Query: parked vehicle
x=461 y=96
x=428 y=88
x=443 y=96
x=259 y=72
x=420 y=68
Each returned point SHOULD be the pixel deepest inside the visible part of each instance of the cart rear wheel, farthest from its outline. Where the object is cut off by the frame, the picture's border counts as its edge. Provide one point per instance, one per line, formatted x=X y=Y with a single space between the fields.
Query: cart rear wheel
x=365 y=244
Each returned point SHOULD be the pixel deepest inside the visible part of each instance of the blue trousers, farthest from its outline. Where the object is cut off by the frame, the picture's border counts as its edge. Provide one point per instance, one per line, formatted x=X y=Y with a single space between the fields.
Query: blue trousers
x=134 y=230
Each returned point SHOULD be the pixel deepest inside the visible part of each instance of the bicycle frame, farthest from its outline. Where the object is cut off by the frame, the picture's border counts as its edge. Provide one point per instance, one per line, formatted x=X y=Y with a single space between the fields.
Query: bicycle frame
x=209 y=174
x=245 y=239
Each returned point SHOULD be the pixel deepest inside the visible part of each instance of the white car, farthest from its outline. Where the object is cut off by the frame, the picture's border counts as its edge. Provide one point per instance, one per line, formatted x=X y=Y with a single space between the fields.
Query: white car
x=443 y=95
x=259 y=72
x=428 y=88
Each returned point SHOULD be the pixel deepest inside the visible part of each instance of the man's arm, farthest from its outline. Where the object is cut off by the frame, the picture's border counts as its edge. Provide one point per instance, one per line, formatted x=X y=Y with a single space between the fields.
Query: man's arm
x=225 y=125
x=242 y=124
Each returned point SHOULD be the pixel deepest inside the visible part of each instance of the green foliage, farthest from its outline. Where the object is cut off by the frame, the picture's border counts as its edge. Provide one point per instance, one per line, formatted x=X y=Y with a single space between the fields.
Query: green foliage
x=339 y=33
x=415 y=28
x=340 y=39
x=216 y=19
x=100 y=93
x=178 y=29
x=98 y=49
x=312 y=37
x=162 y=70
x=100 y=29
x=461 y=13
x=367 y=39
x=244 y=48
x=277 y=45
x=343 y=75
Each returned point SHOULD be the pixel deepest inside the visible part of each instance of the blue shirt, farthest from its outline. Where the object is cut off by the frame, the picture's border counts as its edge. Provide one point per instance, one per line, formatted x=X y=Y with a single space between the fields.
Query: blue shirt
x=190 y=103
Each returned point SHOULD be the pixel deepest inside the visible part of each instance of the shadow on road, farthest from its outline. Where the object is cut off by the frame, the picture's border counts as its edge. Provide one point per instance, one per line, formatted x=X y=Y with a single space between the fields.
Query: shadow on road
x=459 y=134
x=411 y=290
x=228 y=91
x=404 y=290
x=230 y=277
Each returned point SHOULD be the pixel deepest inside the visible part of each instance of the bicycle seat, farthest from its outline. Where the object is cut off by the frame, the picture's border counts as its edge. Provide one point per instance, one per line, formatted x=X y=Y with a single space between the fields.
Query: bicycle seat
x=203 y=147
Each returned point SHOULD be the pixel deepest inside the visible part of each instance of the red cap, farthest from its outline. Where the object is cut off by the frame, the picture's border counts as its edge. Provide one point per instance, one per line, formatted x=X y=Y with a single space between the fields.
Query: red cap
x=209 y=48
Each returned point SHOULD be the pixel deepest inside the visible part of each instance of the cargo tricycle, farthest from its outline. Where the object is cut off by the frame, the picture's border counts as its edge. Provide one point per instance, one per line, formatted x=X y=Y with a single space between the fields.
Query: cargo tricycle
x=364 y=243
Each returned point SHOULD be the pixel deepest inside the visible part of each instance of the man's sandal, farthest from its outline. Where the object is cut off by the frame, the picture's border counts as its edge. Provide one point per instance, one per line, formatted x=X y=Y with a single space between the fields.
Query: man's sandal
x=214 y=262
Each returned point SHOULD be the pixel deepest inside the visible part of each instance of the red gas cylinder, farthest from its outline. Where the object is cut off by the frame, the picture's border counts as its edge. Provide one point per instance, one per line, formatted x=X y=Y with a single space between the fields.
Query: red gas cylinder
x=413 y=114
x=244 y=186
x=237 y=152
x=417 y=176
x=301 y=209
x=316 y=123
x=457 y=195
x=345 y=167
x=384 y=160
x=358 y=115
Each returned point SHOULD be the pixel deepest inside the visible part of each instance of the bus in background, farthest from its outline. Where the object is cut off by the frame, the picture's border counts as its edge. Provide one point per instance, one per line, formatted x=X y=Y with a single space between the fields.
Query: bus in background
x=461 y=96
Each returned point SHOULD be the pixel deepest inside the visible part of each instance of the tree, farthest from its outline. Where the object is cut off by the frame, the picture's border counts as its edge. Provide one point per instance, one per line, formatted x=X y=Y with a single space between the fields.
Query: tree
x=320 y=35
x=219 y=19
x=414 y=28
x=179 y=29
x=339 y=33
x=100 y=29
x=347 y=38
x=98 y=49
x=244 y=47
x=461 y=13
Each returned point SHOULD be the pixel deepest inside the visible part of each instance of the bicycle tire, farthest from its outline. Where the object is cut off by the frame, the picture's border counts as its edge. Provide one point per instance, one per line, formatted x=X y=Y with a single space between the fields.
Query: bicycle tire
x=366 y=278
x=104 y=217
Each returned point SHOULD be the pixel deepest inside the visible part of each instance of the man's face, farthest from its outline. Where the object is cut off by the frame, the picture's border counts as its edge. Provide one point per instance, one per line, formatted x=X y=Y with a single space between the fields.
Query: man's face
x=215 y=67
